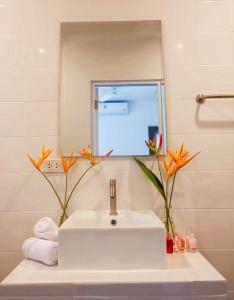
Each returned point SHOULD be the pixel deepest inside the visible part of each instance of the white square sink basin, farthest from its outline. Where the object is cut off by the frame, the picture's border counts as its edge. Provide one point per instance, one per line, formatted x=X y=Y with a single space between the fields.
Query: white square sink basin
x=94 y=240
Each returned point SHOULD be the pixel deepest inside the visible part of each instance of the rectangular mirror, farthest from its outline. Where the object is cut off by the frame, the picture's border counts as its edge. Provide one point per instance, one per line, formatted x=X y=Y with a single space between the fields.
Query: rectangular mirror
x=111 y=87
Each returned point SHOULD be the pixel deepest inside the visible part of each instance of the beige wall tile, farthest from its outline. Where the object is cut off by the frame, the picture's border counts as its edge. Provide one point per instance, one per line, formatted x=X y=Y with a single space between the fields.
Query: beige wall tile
x=36 y=111
x=213 y=117
x=185 y=82
x=43 y=18
x=10 y=231
x=8 y=261
x=212 y=227
x=14 y=152
x=197 y=48
x=26 y=192
x=213 y=154
x=12 y=113
x=12 y=78
x=135 y=10
x=180 y=18
x=13 y=17
x=42 y=84
x=208 y=12
x=43 y=52
x=12 y=52
x=29 y=84
x=208 y=189
x=19 y=113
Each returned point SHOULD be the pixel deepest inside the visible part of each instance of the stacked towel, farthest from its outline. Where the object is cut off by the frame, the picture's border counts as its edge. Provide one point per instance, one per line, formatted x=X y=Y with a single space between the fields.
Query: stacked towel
x=44 y=246
x=41 y=250
x=46 y=229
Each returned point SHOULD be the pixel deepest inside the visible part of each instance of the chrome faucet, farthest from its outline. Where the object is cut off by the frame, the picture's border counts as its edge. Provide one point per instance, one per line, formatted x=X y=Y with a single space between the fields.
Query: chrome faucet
x=113 y=208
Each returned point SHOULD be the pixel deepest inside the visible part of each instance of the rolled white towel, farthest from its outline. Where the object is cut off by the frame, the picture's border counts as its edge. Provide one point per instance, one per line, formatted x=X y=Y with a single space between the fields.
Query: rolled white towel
x=46 y=229
x=41 y=250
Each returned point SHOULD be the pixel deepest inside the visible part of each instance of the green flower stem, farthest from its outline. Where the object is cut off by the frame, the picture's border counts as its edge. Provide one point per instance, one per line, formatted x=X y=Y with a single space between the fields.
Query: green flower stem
x=47 y=179
x=64 y=215
x=171 y=224
x=86 y=171
x=160 y=172
x=172 y=188
x=167 y=226
x=65 y=197
x=167 y=182
x=67 y=202
x=168 y=222
x=62 y=218
x=168 y=208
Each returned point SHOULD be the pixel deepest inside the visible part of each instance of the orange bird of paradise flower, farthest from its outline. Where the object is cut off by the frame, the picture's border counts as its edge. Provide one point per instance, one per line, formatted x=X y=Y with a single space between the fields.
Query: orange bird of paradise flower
x=179 y=158
x=68 y=162
x=88 y=153
x=44 y=154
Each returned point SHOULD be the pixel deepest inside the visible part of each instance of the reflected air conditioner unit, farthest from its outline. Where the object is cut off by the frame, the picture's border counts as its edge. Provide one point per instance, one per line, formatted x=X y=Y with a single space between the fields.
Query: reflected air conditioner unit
x=113 y=108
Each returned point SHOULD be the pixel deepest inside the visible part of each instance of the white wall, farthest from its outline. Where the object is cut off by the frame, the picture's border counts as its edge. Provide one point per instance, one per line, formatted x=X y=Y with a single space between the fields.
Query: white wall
x=29 y=112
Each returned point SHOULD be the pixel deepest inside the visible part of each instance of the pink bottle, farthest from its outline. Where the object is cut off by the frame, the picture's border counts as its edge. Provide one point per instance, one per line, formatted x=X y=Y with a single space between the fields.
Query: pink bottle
x=176 y=243
x=187 y=241
x=181 y=243
x=193 y=243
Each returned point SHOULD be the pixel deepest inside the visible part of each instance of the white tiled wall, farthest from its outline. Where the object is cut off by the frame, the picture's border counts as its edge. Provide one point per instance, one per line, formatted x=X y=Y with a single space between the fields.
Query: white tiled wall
x=198 y=39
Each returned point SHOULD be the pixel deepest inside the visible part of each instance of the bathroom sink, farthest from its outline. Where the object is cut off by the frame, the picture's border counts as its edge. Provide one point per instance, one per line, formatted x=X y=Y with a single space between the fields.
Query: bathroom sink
x=96 y=240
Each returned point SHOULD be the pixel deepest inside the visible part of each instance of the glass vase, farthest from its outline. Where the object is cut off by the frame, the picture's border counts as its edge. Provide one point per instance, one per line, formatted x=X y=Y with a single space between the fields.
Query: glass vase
x=168 y=220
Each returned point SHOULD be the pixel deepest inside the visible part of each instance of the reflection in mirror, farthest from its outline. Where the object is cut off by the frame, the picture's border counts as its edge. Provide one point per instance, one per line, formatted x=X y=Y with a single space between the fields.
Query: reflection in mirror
x=112 y=92
x=118 y=120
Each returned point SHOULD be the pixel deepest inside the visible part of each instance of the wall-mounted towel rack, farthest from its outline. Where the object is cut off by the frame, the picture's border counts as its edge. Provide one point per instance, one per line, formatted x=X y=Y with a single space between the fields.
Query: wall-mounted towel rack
x=202 y=98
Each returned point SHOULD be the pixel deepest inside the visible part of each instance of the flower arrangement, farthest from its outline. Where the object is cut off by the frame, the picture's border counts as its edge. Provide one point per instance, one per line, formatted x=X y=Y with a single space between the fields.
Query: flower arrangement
x=67 y=164
x=167 y=175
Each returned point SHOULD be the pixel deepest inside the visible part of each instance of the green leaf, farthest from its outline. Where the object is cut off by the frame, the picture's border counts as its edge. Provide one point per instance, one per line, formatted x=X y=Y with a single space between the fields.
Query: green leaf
x=152 y=177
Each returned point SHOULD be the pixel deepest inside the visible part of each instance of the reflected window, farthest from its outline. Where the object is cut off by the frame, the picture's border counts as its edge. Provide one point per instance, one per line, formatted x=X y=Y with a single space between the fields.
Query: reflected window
x=126 y=114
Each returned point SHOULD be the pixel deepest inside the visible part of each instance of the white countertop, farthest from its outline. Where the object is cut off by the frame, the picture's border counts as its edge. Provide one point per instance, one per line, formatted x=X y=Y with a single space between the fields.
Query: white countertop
x=186 y=274
x=180 y=267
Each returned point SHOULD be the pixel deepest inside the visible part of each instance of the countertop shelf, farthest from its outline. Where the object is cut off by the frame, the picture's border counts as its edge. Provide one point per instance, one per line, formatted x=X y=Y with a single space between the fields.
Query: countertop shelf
x=187 y=275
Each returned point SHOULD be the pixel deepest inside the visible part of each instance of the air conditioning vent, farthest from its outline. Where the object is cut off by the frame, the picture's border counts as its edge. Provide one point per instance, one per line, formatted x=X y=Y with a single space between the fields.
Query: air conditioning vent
x=113 y=108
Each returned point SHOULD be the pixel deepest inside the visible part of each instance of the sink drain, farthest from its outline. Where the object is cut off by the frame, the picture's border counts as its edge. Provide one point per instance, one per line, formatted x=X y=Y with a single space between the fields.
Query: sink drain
x=113 y=222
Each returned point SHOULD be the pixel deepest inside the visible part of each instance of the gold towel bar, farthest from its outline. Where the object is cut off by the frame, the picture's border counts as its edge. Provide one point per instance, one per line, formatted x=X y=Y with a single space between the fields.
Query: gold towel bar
x=202 y=98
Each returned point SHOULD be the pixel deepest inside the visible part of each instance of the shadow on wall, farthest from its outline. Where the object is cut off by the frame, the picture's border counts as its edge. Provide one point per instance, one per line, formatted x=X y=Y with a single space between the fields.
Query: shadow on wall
x=223 y=122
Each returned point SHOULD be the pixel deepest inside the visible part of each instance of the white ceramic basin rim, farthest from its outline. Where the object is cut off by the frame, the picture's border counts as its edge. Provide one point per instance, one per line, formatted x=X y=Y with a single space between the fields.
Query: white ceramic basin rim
x=103 y=219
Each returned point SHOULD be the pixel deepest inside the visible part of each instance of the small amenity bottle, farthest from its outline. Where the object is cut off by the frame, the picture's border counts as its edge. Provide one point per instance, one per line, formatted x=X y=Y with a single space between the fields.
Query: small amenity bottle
x=170 y=243
x=187 y=239
x=180 y=243
x=176 y=243
x=193 y=243
x=183 y=243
